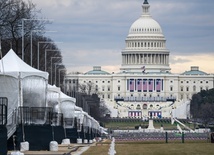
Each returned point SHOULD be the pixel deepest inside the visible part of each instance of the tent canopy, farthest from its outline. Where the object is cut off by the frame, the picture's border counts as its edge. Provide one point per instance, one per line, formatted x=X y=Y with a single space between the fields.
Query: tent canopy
x=11 y=64
x=64 y=97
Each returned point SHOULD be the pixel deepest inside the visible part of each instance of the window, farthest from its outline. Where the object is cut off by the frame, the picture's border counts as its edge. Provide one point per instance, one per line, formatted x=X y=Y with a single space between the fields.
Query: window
x=181 y=81
x=201 y=81
x=73 y=81
x=138 y=107
x=182 y=89
x=108 y=88
x=108 y=81
x=103 y=81
x=103 y=96
x=194 y=88
x=103 y=88
x=182 y=96
x=96 y=81
x=118 y=81
x=118 y=88
x=108 y=96
x=187 y=88
x=171 y=88
x=187 y=81
x=206 y=81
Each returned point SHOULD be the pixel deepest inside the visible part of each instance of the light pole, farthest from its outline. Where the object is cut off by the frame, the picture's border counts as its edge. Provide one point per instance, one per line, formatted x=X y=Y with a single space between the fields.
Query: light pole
x=52 y=67
x=55 y=70
x=31 y=47
x=59 y=74
x=48 y=50
x=24 y=19
x=41 y=42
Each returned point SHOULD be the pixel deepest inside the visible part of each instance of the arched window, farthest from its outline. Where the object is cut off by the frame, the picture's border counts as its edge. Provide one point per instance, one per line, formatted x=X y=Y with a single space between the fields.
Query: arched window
x=138 y=107
x=144 y=106
x=194 y=88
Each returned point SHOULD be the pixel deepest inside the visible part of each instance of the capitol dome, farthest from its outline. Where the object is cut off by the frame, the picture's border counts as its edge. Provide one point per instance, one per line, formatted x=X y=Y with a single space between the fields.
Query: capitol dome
x=145 y=46
x=145 y=25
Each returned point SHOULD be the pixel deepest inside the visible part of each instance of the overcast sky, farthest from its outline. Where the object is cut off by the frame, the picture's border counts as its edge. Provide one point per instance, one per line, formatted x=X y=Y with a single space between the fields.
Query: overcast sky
x=93 y=32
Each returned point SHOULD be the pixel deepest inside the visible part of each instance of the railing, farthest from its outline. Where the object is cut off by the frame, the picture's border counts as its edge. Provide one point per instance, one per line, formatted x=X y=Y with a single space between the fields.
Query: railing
x=145 y=99
x=11 y=123
x=39 y=115
x=3 y=110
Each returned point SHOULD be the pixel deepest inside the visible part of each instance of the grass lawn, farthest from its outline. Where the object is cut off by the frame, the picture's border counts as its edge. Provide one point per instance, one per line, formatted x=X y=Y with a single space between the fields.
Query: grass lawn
x=154 y=149
x=131 y=125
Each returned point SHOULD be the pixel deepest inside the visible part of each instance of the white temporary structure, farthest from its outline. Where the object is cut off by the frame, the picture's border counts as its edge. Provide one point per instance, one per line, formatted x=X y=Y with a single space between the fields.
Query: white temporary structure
x=53 y=98
x=29 y=83
x=22 y=84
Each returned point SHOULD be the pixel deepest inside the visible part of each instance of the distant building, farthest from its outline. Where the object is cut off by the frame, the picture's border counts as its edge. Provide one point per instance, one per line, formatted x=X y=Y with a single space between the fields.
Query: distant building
x=145 y=86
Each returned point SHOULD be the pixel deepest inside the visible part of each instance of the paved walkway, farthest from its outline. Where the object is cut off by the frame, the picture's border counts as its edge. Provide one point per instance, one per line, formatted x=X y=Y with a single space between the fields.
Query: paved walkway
x=63 y=149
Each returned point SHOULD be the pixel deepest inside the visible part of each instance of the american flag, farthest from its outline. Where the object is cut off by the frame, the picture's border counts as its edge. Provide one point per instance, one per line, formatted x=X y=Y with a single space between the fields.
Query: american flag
x=131 y=85
x=139 y=85
x=150 y=85
x=144 y=85
x=158 y=85
x=143 y=69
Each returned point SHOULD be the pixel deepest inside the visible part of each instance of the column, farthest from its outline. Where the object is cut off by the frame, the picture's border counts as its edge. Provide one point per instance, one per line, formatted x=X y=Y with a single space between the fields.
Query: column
x=135 y=61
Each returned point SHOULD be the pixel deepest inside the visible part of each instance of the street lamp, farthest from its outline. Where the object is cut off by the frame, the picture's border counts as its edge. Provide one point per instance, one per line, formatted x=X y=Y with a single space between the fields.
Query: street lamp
x=59 y=74
x=48 y=50
x=51 y=67
x=24 y=19
x=31 y=48
x=60 y=64
x=42 y=42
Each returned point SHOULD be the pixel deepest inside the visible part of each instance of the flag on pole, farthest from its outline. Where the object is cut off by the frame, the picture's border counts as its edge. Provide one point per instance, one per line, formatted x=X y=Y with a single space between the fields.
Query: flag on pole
x=143 y=69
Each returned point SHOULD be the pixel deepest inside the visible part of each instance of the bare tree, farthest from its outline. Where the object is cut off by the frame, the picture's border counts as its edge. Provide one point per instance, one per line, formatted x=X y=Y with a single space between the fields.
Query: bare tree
x=18 y=19
x=12 y=13
x=202 y=105
x=206 y=113
x=88 y=88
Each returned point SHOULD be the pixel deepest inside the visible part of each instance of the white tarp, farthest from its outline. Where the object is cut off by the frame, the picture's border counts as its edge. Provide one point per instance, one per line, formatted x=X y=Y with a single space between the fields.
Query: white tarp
x=53 y=98
x=67 y=105
x=22 y=84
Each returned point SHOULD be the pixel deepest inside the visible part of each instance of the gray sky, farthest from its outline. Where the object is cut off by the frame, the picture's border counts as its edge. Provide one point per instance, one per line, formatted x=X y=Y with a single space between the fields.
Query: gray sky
x=93 y=32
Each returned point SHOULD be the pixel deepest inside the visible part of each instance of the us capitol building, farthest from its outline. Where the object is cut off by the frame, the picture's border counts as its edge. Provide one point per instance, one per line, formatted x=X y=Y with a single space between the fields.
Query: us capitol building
x=145 y=86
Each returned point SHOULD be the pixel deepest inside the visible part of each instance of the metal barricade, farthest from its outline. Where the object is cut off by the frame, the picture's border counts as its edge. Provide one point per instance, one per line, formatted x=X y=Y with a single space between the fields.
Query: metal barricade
x=3 y=110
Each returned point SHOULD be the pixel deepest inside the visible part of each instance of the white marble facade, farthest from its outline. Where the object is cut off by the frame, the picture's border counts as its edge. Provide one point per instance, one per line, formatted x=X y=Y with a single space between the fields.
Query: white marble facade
x=144 y=86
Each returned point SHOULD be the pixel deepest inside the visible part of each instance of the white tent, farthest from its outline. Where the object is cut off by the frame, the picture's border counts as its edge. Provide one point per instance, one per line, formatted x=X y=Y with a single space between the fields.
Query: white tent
x=67 y=108
x=53 y=98
x=21 y=84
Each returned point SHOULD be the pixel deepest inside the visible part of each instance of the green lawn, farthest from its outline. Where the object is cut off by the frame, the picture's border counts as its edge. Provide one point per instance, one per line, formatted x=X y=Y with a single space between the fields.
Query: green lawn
x=131 y=125
x=154 y=149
